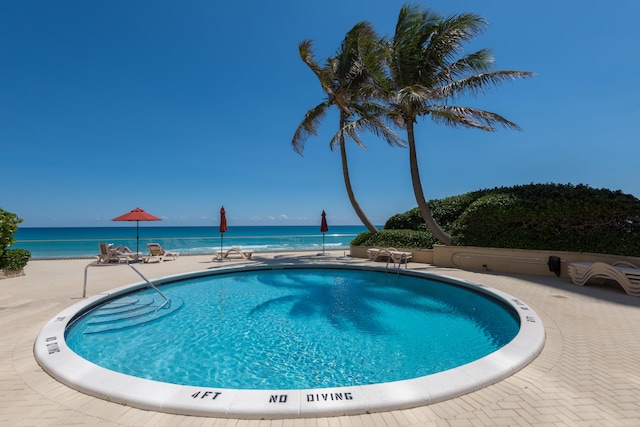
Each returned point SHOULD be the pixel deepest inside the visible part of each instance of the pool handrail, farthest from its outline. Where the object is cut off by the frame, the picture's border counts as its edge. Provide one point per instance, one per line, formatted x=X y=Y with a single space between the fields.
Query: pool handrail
x=152 y=286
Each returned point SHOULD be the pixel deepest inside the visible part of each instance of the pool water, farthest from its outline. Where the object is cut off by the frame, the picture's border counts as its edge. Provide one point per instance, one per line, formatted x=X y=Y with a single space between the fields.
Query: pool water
x=300 y=329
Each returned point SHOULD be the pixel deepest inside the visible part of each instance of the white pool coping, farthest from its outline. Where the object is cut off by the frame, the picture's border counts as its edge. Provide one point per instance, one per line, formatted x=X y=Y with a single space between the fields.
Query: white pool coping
x=57 y=359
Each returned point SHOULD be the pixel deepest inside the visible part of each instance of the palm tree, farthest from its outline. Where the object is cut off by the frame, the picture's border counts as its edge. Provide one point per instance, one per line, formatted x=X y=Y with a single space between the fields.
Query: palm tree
x=425 y=73
x=347 y=79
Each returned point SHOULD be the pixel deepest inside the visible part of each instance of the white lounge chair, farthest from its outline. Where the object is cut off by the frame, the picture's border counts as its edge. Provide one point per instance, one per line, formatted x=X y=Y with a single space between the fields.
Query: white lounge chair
x=156 y=253
x=625 y=274
x=244 y=254
x=390 y=254
x=375 y=253
x=108 y=256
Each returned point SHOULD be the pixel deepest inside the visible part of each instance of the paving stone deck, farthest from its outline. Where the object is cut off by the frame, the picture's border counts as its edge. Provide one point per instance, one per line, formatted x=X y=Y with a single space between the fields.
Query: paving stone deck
x=587 y=375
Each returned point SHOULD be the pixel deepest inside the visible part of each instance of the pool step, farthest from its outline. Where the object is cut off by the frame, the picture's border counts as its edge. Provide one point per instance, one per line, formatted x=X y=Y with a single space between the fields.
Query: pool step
x=122 y=305
x=130 y=311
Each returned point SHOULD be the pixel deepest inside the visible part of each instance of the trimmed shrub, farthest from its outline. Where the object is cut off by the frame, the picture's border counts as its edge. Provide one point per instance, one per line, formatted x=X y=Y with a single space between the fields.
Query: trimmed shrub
x=396 y=238
x=14 y=259
x=410 y=220
x=445 y=211
x=8 y=226
x=535 y=216
x=553 y=217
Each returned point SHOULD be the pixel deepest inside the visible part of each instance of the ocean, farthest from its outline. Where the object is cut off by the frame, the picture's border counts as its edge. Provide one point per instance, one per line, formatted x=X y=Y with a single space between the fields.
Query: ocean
x=68 y=242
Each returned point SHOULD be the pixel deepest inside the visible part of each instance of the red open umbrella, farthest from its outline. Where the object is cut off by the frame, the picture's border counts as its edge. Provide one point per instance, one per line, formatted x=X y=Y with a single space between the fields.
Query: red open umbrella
x=223 y=226
x=137 y=215
x=323 y=228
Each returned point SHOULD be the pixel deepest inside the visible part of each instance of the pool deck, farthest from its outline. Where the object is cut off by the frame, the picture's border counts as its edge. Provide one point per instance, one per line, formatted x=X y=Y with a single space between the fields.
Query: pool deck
x=587 y=374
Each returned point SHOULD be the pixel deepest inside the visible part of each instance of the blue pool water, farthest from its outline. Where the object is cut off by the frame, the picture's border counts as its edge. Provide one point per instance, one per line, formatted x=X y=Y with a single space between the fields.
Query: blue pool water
x=295 y=329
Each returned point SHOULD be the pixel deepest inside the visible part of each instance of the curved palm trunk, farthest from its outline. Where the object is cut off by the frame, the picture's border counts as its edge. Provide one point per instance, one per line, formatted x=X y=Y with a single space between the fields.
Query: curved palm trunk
x=433 y=226
x=347 y=183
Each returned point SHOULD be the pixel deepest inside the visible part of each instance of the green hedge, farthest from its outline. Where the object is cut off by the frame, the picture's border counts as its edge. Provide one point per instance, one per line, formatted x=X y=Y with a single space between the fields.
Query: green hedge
x=445 y=211
x=535 y=216
x=553 y=217
x=396 y=238
x=14 y=259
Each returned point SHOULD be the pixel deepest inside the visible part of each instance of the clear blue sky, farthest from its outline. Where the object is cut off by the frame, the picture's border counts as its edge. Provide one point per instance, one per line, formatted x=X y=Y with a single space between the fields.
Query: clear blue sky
x=181 y=107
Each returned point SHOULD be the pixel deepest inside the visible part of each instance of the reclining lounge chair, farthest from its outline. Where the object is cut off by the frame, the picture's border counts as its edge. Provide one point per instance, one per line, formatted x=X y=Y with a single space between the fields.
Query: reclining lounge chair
x=108 y=256
x=626 y=275
x=390 y=254
x=234 y=251
x=375 y=253
x=156 y=253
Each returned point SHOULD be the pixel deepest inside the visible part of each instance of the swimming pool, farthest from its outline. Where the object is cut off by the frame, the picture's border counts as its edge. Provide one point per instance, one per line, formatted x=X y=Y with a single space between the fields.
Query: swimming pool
x=344 y=362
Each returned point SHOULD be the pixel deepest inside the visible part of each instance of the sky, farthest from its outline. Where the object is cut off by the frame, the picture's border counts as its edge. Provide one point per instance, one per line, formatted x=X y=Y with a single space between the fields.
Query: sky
x=182 y=107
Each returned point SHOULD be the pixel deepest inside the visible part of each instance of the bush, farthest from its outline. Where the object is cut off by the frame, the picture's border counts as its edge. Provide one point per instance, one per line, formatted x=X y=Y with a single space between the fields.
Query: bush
x=14 y=259
x=410 y=220
x=445 y=211
x=396 y=238
x=535 y=216
x=8 y=226
x=553 y=217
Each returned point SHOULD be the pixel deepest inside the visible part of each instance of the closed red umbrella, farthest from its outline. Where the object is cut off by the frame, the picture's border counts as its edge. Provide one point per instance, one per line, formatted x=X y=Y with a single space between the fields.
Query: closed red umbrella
x=323 y=225
x=323 y=228
x=223 y=220
x=137 y=215
x=223 y=226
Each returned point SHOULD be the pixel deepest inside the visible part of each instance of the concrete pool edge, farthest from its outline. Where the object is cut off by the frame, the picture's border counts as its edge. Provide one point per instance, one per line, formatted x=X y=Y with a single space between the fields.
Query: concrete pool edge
x=61 y=363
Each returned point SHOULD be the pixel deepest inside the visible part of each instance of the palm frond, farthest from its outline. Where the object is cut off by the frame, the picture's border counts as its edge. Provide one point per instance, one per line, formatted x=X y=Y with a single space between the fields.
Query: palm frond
x=414 y=94
x=308 y=126
x=413 y=31
x=307 y=55
x=456 y=116
x=479 y=83
x=348 y=131
x=375 y=126
x=473 y=63
x=445 y=43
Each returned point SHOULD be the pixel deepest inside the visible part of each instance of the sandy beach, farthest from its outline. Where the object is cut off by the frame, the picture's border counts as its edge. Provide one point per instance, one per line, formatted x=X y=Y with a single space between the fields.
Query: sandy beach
x=586 y=375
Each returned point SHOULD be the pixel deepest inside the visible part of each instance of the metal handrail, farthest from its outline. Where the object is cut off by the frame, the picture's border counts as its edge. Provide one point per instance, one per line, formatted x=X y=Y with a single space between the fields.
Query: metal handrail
x=403 y=257
x=152 y=286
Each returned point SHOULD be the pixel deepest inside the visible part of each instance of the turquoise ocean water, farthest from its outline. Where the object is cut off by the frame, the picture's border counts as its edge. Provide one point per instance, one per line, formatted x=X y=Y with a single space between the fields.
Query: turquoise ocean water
x=61 y=242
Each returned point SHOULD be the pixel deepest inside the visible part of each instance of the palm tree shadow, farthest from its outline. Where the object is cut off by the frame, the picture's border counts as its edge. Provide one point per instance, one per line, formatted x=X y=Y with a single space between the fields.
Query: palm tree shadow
x=343 y=304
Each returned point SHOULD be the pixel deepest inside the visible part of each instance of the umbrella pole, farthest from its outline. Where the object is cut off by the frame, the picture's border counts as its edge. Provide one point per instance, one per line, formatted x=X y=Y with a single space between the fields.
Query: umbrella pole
x=221 y=257
x=322 y=253
x=137 y=227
